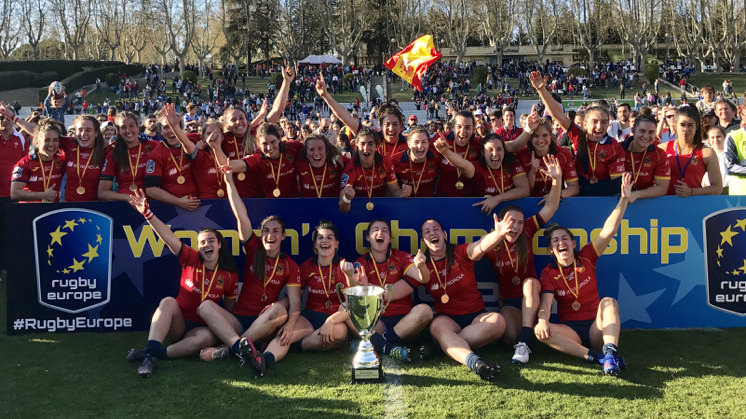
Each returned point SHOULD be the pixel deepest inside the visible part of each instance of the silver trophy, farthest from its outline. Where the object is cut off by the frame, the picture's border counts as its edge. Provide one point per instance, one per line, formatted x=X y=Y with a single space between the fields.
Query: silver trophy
x=365 y=305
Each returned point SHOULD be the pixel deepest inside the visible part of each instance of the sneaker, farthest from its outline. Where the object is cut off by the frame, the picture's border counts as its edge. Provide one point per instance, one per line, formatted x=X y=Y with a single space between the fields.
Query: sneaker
x=610 y=365
x=400 y=353
x=487 y=371
x=135 y=355
x=145 y=369
x=424 y=352
x=248 y=351
x=622 y=364
x=520 y=356
x=212 y=353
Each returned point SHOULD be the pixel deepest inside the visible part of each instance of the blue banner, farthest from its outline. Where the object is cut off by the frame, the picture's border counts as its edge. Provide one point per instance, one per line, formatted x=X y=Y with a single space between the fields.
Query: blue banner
x=675 y=262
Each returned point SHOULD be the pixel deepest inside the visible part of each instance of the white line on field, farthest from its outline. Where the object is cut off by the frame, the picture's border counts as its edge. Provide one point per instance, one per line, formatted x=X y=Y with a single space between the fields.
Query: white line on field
x=396 y=406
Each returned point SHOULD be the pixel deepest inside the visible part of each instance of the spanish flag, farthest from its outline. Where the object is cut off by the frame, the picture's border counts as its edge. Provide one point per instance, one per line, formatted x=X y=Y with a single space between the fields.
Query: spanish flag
x=412 y=62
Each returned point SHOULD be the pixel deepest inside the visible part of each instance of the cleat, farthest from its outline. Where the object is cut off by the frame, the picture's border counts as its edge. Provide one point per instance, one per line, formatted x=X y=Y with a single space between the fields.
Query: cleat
x=424 y=352
x=135 y=355
x=145 y=369
x=400 y=353
x=487 y=371
x=249 y=352
x=610 y=365
x=622 y=364
x=520 y=356
x=212 y=353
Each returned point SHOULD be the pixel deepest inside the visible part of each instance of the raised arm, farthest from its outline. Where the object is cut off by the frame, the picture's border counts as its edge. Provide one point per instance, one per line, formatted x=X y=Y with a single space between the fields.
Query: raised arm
x=140 y=202
x=423 y=272
x=25 y=125
x=339 y=111
x=457 y=161
x=615 y=218
x=554 y=170
x=488 y=242
x=174 y=122
x=278 y=106
x=554 y=108
x=239 y=208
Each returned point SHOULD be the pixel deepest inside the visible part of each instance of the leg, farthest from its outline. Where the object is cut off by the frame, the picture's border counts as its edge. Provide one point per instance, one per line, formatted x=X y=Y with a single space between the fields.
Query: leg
x=167 y=321
x=314 y=341
x=222 y=323
x=513 y=324
x=564 y=339
x=486 y=328
x=267 y=323
x=446 y=331
x=606 y=328
x=193 y=341
x=303 y=328
x=531 y=301
x=414 y=322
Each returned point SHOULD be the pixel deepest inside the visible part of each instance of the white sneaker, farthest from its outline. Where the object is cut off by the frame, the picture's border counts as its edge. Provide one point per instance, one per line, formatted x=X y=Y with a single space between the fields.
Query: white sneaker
x=521 y=353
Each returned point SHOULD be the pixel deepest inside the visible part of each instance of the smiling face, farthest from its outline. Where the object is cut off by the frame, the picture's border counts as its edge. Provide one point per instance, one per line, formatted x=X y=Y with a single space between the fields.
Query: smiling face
x=86 y=133
x=494 y=152
x=316 y=152
x=366 y=146
x=562 y=246
x=516 y=226
x=236 y=123
x=623 y=113
x=49 y=144
x=391 y=127
x=715 y=139
x=540 y=139
x=724 y=112
x=379 y=237
x=596 y=124
x=270 y=146
x=644 y=135
x=128 y=131
x=419 y=144
x=464 y=130
x=435 y=238
x=326 y=243
x=272 y=236
x=508 y=119
x=170 y=136
x=208 y=246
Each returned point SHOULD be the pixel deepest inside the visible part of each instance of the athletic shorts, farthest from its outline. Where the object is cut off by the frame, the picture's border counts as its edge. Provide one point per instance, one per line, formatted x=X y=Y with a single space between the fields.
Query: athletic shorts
x=583 y=329
x=512 y=302
x=464 y=319
x=390 y=321
x=189 y=325
x=246 y=321
x=316 y=318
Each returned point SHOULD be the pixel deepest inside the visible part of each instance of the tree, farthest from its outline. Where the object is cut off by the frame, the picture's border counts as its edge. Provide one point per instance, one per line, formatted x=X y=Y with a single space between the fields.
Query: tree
x=8 y=34
x=346 y=24
x=498 y=24
x=697 y=38
x=638 y=25
x=135 y=31
x=206 y=33
x=589 y=28
x=541 y=18
x=299 y=32
x=179 y=24
x=73 y=16
x=33 y=21
x=110 y=20
x=731 y=15
x=458 y=17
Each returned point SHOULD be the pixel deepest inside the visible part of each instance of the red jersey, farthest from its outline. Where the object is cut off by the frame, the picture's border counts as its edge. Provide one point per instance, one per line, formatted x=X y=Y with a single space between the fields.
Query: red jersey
x=12 y=150
x=605 y=157
x=369 y=180
x=449 y=175
x=389 y=272
x=40 y=175
x=543 y=185
x=564 y=290
x=246 y=186
x=279 y=272
x=276 y=174
x=81 y=171
x=388 y=149
x=420 y=176
x=509 y=134
x=170 y=169
x=209 y=180
x=199 y=284
x=321 y=290
x=496 y=181
x=138 y=157
x=648 y=167
x=458 y=281
x=504 y=261
x=690 y=167
x=320 y=183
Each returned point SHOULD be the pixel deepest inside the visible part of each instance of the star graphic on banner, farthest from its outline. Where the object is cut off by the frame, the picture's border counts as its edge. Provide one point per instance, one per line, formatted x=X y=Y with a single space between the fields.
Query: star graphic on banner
x=188 y=220
x=741 y=223
x=689 y=272
x=735 y=272
x=99 y=239
x=57 y=236
x=82 y=220
x=49 y=251
x=70 y=225
x=727 y=236
x=719 y=251
x=633 y=306
x=76 y=266
x=92 y=253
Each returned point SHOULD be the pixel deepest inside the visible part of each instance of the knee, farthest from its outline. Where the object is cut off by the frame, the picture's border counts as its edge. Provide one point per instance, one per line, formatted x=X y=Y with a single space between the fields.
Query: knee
x=531 y=287
x=167 y=305
x=608 y=302
x=340 y=333
x=423 y=312
x=278 y=312
x=436 y=327
x=206 y=307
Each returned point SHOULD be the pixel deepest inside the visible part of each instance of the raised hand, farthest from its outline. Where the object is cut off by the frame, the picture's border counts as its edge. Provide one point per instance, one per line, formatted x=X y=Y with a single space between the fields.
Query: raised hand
x=139 y=201
x=627 y=188
x=288 y=72
x=419 y=258
x=553 y=170
x=321 y=86
x=440 y=144
x=172 y=116
x=537 y=80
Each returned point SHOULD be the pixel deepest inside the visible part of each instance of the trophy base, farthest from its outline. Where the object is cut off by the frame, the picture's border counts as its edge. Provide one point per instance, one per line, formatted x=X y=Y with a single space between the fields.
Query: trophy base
x=367 y=375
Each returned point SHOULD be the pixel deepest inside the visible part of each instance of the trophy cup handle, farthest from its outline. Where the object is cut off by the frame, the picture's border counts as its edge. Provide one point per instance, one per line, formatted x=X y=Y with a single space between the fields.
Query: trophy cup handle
x=339 y=295
x=390 y=290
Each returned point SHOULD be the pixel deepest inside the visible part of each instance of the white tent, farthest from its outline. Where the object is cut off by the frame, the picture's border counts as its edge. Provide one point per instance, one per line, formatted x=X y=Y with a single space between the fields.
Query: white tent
x=320 y=59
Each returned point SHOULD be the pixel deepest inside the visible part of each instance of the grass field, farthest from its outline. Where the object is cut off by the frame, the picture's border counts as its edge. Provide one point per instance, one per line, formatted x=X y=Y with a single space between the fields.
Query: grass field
x=695 y=373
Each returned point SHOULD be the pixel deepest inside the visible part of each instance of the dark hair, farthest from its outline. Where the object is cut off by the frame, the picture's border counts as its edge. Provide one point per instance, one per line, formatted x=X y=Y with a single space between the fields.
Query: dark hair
x=367 y=132
x=332 y=152
x=582 y=150
x=225 y=258
x=624 y=104
x=465 y=114
x=387 y=109
x=547 y=124
x=260 y=257
x=120 y=153
x=707 y=88
x=692 y=112
x=644 y=118
x=550 y=229
x=522 y=242
x=97 y=155
x=508 y=157
x=508 y=109
x=497 y=113
x=269 y=128
x=450 y=248
x=47 y=124
x=419 y=129
x=324 y=225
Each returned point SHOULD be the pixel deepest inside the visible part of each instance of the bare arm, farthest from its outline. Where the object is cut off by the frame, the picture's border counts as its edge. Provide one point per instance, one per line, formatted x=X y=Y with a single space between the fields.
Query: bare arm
x=615 y=218
x=457 y=161
x=278 y=106
x=140 y=202
x=17 y=193
x=339 y=111
x=554 y=170
x=106 y=194
x=237 y=205
x=477 y=249
x=554 y=108
x=173 y=120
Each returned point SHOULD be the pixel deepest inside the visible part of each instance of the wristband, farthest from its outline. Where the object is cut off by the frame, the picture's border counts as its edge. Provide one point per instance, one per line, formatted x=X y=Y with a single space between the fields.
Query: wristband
x=148 y=214
x=345 y=199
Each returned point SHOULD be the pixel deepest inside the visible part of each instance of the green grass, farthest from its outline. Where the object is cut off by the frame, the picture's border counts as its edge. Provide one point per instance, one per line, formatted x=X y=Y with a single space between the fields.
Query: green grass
x=692 y=373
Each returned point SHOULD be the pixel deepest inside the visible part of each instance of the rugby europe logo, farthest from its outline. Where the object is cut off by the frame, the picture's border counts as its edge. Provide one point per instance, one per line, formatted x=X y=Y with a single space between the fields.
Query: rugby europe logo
x=73 y=259
x=725 y=259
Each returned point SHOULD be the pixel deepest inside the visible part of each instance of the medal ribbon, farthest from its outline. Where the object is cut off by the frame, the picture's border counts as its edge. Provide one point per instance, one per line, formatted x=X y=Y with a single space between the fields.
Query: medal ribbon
x=279 y=169
x=137 y=165
x=322 y=279
x=77 y=167
x=181 y=159
x=466 y=153
x=678 y=163
x=639 y=168
x=437 y=275
x=592 y=161
x=369 y=189
x=207 y=294
x=502 y=179
x=274 y=269
x=318 y=190
x=575 y=270
x=378 y=275
x=416 y=185
x=45 y=181
x=510 y=257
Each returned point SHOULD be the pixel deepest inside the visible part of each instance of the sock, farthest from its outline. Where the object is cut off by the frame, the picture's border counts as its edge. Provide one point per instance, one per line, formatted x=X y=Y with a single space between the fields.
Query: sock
x=593 y=356
x=526 y=333
x=471 y=361
x=297 y=347
x=380 y=344
x=610 y=349
x=156 y=349
x=235 y=348
x=269 y=357
x=392 y=337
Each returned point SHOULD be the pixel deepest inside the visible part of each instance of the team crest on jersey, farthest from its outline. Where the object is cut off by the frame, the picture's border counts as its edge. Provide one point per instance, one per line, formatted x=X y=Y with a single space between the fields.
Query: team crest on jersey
x=17 y=172
x=725 y=260
x=220 y=280
x=150 y=167
x=602 y=154
x=695 y=160
x=73 y=259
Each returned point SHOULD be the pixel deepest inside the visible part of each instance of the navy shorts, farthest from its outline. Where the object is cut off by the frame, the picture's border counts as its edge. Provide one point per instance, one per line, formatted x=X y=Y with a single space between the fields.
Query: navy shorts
x=583 y=329
x=189 y=325
x=464 y=319
x=512 y=302
x=390 y=321
x=316 y=318
x=246 y=322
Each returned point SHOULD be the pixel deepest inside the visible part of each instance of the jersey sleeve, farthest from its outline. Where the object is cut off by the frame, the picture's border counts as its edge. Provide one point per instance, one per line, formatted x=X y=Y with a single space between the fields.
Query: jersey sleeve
x=21 y=171
x=663 y=166
x=293 y=276
x=547 y=284
x=109 y=171
x=616 y=162
x=390 y=173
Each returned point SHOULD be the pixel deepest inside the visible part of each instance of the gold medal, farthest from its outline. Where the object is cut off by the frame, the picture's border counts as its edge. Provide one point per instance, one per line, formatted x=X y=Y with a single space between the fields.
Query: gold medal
x=369 y=206
x=180 y=180
x=264 y=298
x=242 y=176
x=594 y=180
x=276 y=192
x=220 y=193
x=133 y=187
x=80 y=190
x=516 y=280
x=576 y=305
x=444 y=299
x=328 y=304
x=459 y=185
